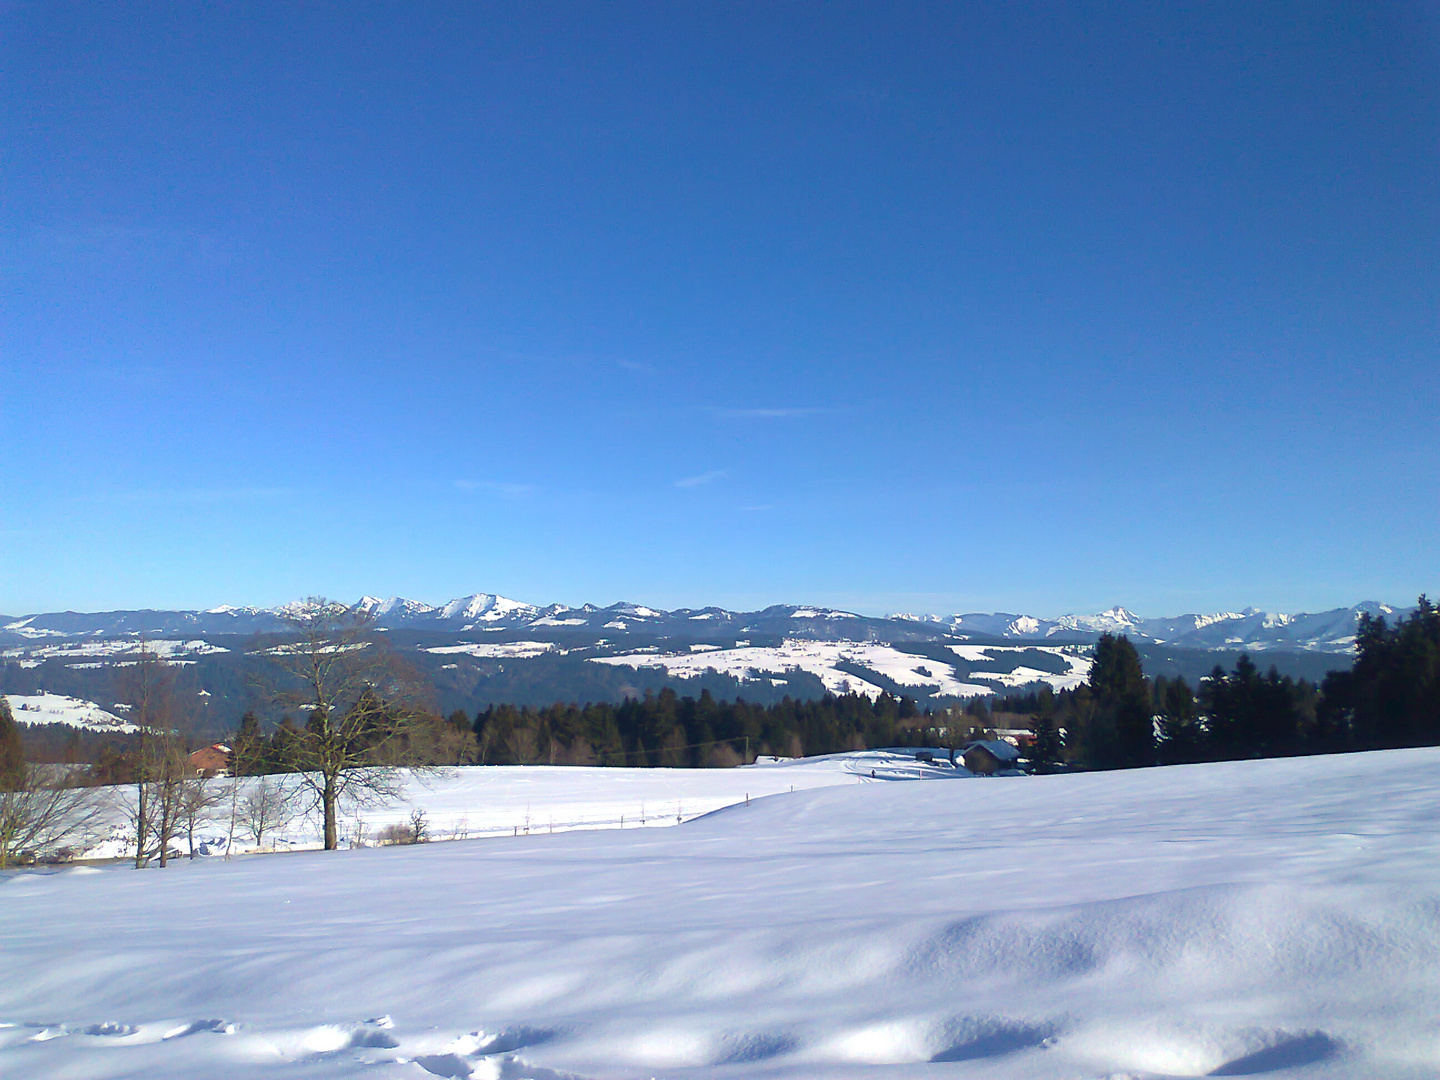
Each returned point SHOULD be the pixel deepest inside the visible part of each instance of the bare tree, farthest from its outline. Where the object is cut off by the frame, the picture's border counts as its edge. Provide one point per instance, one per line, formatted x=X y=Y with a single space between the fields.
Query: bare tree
x=361 y=700
x=265 y=808
x=49 y=808
x=523 y=745
x=162 y=765
x=197 y=797
x=41 y=806
x=168 y=776
x=147 y=684
x=454 y=740
x=246 y=759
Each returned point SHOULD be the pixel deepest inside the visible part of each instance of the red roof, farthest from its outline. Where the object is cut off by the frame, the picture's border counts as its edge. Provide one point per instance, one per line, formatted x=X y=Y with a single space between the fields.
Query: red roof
x=211 y=759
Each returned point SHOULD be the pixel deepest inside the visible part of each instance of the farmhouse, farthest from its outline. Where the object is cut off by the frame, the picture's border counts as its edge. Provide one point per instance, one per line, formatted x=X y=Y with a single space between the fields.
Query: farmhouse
x=210 y=761
x=990 y=756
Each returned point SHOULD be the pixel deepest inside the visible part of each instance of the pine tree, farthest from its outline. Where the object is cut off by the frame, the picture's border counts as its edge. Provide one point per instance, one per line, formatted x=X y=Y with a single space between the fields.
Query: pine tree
x=1230 y=702
x=248 y=748
x=1396 y=680
x=1181 y=736
x=12 y=751
x=1047 y=748
x=1122 y=731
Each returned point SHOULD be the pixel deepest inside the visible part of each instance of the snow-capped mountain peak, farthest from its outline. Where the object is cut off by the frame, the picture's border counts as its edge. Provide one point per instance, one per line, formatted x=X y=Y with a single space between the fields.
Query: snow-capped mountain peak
x=394 y=606
x=1249 y=629
x=469 y=607
x=1116 y=620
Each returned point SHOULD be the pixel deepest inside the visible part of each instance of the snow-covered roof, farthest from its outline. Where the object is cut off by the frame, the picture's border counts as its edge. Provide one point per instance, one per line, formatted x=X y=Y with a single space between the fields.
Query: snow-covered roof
x=1002 y=751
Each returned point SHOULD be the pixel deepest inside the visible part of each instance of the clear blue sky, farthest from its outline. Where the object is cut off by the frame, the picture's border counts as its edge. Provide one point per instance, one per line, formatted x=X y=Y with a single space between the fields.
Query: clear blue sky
x=926 y=307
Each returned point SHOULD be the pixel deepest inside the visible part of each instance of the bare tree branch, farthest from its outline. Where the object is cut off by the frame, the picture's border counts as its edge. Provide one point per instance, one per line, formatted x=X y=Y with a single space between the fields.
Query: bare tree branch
x=162 y=767
x=48 y=807
x=265 y=808
x=364 y=714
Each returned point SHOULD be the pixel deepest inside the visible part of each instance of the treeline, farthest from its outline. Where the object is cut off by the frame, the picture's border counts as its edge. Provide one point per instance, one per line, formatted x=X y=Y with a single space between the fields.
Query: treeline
x=682 y=732
x=374 y=733
x=63 y=744
x=661 y=729
x=1121 y=719
x=97 y=758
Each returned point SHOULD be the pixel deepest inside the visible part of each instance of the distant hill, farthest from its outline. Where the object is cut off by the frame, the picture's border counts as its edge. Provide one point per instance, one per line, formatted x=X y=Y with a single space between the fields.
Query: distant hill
x=486 y=648
x=487 y=613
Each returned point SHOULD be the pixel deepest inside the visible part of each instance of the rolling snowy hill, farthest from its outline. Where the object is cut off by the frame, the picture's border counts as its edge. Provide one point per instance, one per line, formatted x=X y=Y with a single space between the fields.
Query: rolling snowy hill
x=1258 y=918
x=72 y=712
x=872 y=668
x=479 y=801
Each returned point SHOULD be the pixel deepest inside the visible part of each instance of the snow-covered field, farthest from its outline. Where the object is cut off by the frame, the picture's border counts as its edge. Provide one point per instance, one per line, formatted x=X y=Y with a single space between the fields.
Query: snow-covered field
x=481 y=801
x=1077 y=666
x=510 y=650
x=112 y=647
x=60 y=709
x=833 y=663
x=1254 y=918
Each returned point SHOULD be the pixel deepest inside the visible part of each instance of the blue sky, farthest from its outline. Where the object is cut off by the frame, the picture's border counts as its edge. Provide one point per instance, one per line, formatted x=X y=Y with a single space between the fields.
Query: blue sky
x=926 y=307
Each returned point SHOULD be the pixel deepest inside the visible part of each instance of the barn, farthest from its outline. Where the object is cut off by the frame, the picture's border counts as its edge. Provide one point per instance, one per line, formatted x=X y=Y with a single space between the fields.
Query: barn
x=990 y=756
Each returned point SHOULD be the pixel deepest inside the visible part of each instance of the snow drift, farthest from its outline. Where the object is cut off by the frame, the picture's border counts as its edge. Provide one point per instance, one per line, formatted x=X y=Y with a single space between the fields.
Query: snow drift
x=1253 y=918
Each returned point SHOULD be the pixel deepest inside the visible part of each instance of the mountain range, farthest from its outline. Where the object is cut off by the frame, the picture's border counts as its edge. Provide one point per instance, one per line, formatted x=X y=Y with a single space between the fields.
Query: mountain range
x=498 y=618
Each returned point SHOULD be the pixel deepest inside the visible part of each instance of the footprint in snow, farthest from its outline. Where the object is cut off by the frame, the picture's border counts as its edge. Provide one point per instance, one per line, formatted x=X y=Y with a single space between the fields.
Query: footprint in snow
x=110 y=1029
x=197 y=1027
x=976 y=1038
x=114 y=1029
x=1285 y=1051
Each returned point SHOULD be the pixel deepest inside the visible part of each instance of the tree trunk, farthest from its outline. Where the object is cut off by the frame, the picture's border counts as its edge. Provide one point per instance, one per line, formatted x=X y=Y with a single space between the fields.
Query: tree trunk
x=234 y=810
x=141 y=816
x=166 y=825
x=330 y=799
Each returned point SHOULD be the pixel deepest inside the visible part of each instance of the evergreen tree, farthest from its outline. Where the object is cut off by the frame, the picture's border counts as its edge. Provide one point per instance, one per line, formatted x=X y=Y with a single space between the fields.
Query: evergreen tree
x=1121 y=729
x=1395 y=685
x=1182 y=737
x=1253 y=715
x=1335 y=714
x=248 y=748
x=1228 y=702
x=12 y=750
x=1047 y=748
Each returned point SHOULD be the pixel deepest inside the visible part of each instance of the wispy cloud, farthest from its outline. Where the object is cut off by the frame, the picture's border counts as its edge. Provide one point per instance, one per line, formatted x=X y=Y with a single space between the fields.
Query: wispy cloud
x=701 y=480
x=502 y=488
x=635 y=365
x=776 y=413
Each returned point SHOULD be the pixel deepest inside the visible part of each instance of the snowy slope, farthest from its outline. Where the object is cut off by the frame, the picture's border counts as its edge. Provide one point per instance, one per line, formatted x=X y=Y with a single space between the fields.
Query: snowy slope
x=111 y=649
x=510 y=800
x=59 y=709
x=835 y=664
x=495 y=650
x=1254 y=918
